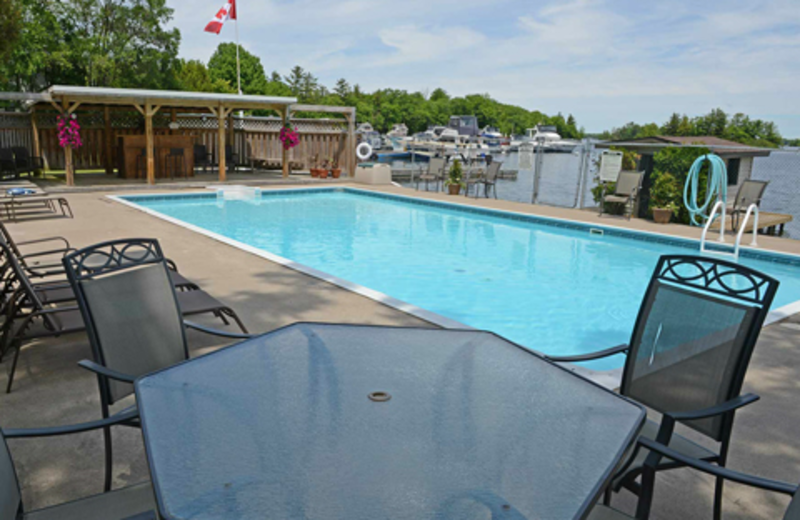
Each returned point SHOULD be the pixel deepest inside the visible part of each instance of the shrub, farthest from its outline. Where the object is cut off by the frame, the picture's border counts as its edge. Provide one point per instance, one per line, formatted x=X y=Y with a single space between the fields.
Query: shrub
x=665 y=193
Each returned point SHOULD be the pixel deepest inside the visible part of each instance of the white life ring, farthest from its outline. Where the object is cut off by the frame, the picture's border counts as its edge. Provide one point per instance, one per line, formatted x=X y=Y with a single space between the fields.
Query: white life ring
x=364 y=151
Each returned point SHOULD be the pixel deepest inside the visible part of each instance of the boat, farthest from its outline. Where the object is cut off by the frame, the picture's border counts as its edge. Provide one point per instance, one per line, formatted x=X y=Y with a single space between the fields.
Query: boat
x=397 y=138
x=547 y=137
x=367 y=134
x=464 y=125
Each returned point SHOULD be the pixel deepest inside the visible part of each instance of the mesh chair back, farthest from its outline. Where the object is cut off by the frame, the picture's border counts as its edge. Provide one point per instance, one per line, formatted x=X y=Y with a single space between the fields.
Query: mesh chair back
x=129 y=306
x=793 y=511
x=750 y=192
x=627 y=182
x=10 y=498
x=436 y=165
x=6 y=154
x=493 y=171
x=694 y=336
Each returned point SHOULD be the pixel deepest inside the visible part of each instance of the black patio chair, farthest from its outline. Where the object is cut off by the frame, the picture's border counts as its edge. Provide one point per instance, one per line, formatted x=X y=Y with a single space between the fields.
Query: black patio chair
x=202 y=158
x=8 y=165
x=132 y=502
x=25 y=161
x=132 y=315
x=658 y=451
x=231 y=158
x=688 y=355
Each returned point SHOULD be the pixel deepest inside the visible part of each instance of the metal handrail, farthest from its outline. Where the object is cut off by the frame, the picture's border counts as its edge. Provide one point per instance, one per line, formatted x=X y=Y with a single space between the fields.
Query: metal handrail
x=719 y=206
x=751 y=209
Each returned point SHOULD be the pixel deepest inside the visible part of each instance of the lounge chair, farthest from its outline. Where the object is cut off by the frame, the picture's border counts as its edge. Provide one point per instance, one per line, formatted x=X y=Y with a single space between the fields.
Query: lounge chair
x=625 y=191
x=750 y=192
x=50 y=202
x=34 y=311
x=132 y=502
x=659 y=451
x=25 y=162
x=36 y=264
x=435 y=172
x=688 y=355
x=133 y=317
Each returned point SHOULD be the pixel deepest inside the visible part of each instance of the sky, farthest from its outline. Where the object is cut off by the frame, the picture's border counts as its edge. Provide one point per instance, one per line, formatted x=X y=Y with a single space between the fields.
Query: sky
x=606 y=62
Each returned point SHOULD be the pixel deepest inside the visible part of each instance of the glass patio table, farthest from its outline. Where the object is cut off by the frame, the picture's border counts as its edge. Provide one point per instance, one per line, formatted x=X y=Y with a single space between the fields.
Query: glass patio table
x=321 y=421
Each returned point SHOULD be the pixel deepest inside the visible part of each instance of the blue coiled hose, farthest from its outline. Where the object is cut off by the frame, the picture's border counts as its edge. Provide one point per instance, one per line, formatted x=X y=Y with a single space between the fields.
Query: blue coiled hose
x=717 y=186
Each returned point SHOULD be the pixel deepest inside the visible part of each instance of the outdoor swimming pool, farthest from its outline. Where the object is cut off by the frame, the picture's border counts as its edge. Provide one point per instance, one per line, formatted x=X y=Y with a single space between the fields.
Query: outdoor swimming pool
x=548 y=284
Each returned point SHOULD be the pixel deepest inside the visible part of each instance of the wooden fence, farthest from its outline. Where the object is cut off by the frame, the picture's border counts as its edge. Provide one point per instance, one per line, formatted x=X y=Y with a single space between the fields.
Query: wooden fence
x=255 y=139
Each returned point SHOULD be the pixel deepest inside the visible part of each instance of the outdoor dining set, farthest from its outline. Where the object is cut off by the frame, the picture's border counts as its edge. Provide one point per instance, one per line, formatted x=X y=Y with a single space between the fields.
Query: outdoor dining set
x=325 y=420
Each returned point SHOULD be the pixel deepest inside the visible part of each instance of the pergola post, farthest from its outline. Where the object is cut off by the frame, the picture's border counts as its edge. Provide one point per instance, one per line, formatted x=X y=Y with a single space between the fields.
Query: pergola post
x=69 y=169
x=221 y=113
x=37 y=147
x=284 y=151
x=149 y=143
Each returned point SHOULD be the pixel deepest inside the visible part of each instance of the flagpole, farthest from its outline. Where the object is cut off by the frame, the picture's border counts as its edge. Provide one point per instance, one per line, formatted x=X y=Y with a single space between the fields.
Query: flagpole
x=238 y=67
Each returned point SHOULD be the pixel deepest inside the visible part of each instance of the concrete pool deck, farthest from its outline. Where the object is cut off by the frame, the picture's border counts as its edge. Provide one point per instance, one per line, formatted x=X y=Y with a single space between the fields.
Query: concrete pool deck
x=50 y=389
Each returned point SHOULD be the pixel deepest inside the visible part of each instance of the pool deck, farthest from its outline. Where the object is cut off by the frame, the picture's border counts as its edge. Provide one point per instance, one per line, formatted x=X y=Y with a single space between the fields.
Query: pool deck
x=50 y=389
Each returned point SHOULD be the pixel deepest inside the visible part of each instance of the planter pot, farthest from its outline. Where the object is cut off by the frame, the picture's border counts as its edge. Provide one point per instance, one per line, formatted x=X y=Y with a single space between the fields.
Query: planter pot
x=336 y=172
x=661 y=216
x=323 y=174
x=314 y=172
x=453 y=189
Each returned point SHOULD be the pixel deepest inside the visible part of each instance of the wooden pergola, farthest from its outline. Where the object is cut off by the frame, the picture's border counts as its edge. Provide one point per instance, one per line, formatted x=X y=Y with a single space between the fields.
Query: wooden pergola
x=66 y=99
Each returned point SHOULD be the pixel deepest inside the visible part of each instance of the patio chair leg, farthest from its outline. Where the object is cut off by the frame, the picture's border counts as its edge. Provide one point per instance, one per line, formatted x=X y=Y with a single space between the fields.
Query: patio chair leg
x=718 y=498
x=12 y=369
x=230 y=312
x=109 y=459
x=607 y=497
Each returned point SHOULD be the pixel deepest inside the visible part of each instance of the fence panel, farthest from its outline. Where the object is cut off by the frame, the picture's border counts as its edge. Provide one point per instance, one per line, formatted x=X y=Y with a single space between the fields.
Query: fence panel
x=15 y=130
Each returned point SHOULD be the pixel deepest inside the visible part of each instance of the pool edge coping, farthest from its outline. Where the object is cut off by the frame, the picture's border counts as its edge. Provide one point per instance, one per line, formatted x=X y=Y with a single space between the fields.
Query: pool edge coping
x=608 y=378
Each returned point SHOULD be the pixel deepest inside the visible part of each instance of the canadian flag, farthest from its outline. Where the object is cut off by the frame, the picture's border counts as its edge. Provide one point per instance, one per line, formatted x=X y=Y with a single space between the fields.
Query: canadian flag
x=227 y=11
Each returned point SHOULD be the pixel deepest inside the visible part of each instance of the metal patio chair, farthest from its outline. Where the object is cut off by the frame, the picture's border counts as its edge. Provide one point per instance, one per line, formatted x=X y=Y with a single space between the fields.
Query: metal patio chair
x=625 y=191
x=489 y=181
x=688 y=355
x=659 y=451
x=202 y=157
x=132 y=317
x=132 y=502
x=435 y=172
x=750 y=192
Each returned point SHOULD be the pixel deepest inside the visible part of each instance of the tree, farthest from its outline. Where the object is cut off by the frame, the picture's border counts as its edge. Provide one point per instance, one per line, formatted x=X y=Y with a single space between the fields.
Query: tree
x=295 y=79
x=113 y=43
x=342 y=88
x=439 y=95
x=222 y=66
x=10 y=26
x=194 y=76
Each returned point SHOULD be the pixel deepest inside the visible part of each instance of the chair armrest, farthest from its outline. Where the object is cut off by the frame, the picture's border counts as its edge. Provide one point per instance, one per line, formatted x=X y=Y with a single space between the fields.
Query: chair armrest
x=727 y=406
x=105 y=371
x=171 y=264
x=20 y=433
x=619 y=349
x=62 y=251
x=705 y=467
x=216 y=332
x=49 y=239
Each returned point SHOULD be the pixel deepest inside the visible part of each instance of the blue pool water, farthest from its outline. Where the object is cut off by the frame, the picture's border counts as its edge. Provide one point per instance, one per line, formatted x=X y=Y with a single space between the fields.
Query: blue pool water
x=555 y=289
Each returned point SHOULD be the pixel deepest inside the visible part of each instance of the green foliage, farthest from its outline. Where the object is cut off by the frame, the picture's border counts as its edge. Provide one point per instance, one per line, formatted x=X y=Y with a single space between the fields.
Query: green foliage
x=112 y=43
x=676 y=162
x=10 y=26
x=222 y=66
x=739 y=128
x=665 y=192
x=456 y=175
x=193 y=75
x=599 y=191
x=630 y=159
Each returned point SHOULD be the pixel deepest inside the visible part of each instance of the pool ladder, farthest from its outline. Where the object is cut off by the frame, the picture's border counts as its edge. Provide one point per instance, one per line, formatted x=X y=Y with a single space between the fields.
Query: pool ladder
x=719 y=207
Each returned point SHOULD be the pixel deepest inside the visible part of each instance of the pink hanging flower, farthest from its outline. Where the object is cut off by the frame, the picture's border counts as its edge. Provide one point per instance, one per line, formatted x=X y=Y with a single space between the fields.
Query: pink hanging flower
x=289 y=137
x=69 y=132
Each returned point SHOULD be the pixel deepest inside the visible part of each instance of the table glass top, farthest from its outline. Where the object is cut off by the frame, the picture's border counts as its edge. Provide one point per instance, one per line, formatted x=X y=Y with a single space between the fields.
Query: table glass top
x=330 y=421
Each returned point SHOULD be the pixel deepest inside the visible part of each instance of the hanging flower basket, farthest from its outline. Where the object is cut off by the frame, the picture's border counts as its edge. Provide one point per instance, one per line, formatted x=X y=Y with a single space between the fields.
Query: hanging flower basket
x=289 y=137
x=69 y=132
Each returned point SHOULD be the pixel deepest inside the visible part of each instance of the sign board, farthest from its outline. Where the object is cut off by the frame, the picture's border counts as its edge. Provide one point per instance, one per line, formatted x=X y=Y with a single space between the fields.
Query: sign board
x=610 y=166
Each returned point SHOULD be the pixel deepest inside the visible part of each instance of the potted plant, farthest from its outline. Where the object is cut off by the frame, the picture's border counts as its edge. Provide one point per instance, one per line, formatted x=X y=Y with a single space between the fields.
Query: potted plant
x=664 y=194
x=335 y=170
x=455 y=178
x=323 y=172
x=314 y=171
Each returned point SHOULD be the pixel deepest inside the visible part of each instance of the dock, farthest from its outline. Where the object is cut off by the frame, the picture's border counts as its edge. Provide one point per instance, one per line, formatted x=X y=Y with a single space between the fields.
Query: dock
x=768 y=223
